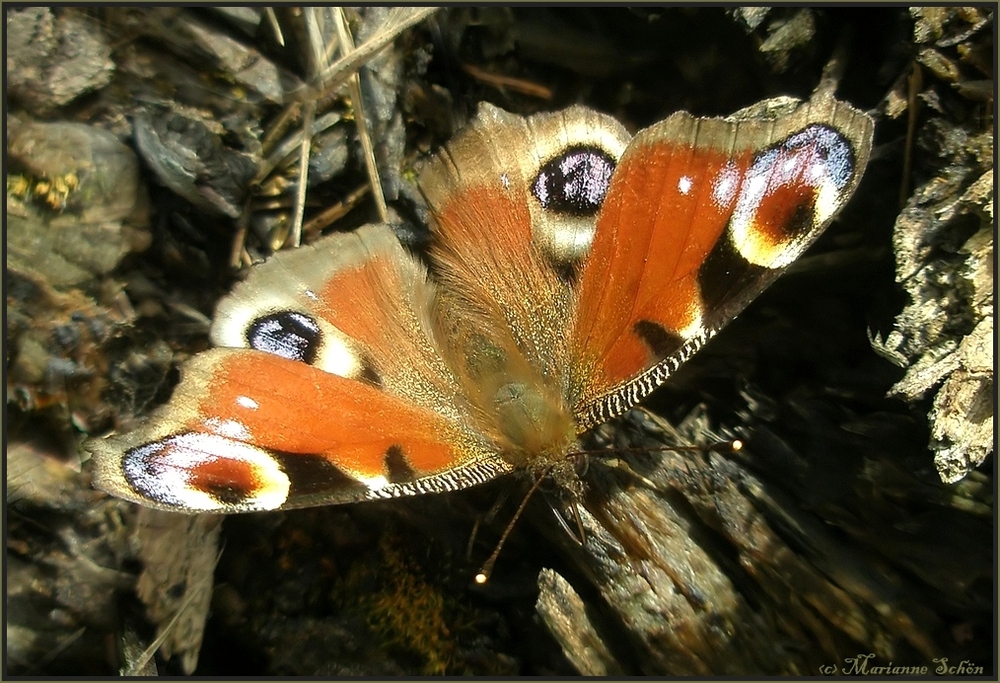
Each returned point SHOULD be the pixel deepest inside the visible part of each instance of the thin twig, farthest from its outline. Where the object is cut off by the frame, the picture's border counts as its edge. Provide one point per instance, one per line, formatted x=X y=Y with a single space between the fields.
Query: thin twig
x=399 y=20
x=308 y=113
x=354 y=84
x=501 y=82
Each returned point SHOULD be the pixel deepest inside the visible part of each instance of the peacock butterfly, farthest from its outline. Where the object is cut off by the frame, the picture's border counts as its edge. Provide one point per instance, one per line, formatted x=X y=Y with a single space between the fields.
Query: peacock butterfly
x=573 y=269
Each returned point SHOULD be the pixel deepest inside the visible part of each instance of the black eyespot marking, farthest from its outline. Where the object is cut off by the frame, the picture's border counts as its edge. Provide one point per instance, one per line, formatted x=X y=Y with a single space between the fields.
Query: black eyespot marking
x=661 y=341
x=575 y=182
x=226 y=494
x=398 y=469
x=287 y=334
x=801 y=217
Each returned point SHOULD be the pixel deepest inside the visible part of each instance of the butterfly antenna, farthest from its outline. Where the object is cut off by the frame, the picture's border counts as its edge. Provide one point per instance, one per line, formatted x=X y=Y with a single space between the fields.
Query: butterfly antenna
x=488 y=519
x=718 y=447
x=484 y=573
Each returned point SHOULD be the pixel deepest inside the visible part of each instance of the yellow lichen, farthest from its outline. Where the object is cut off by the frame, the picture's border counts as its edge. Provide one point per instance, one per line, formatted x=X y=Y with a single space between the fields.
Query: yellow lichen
x=53 y=191
x=406 y=610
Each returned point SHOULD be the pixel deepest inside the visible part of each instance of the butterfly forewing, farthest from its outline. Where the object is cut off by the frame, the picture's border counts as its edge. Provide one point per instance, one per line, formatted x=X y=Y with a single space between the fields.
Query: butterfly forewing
x=701 y=215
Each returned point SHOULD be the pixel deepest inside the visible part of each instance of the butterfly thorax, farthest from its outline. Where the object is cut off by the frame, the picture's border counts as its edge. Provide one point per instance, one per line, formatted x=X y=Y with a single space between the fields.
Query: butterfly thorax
x=518 y=402
x=525 y=416
x=536 y=428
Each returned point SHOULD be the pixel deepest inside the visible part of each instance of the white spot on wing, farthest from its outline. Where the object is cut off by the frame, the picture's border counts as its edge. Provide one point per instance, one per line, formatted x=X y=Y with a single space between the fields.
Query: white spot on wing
x=228 y=428
x=684 y=184
x=247 y=402
x=725 y=186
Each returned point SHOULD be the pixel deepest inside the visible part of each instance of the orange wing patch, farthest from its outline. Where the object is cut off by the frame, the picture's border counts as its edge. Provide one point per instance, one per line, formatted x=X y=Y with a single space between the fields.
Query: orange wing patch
x=305 y=410
x=667 y=208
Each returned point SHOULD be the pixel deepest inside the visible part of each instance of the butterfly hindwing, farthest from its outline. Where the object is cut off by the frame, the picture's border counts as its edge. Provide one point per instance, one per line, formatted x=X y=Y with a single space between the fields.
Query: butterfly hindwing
x=514 y=202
